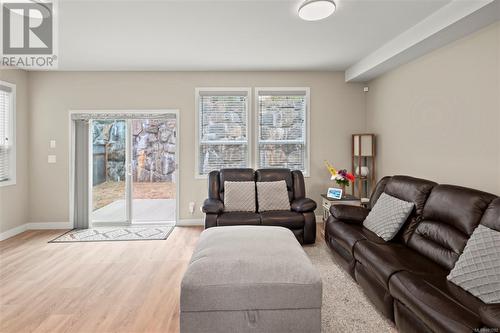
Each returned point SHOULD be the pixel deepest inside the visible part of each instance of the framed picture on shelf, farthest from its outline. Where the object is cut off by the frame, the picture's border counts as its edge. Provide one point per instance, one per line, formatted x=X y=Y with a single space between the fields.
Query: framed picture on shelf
x=334 y=193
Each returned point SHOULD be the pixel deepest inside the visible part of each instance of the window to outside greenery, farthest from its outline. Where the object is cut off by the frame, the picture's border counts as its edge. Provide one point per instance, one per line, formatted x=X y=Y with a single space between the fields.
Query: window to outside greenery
x=7 y=145
x=222 y=130
x=282 y=129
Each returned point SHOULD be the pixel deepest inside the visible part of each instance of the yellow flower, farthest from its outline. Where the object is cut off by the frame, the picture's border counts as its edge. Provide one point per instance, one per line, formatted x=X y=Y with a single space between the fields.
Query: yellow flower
x=330 y=168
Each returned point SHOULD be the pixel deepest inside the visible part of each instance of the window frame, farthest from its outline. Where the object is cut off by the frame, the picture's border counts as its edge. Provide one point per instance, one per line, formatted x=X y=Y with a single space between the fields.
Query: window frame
x=12 y=136
x=307 y=137
x=249 y=109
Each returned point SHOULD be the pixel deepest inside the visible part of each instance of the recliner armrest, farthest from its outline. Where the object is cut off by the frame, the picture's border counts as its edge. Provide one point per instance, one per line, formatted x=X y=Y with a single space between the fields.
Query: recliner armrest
x=213 y=206
x=303 y=205
x=490 y=315
x=348 y=213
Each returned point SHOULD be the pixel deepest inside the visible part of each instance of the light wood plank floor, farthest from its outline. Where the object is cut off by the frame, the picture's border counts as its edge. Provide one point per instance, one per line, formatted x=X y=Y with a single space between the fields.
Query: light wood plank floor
x=92 y=287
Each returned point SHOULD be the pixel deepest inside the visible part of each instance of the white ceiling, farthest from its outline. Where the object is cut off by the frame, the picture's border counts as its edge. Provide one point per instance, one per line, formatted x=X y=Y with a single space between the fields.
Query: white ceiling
x=227 y=35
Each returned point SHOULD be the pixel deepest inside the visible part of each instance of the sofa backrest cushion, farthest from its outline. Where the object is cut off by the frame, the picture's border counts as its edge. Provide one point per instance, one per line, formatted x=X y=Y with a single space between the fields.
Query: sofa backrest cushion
x=234 y=175
x=379 y=189
x=450 y=216
x=273 y=175
x=214 y=185
x=299 y=188
x=410 y=189
x=491 y=217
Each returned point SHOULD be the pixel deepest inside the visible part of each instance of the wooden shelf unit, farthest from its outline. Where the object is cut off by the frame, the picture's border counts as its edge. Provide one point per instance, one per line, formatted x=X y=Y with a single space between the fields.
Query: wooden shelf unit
x=363 y=155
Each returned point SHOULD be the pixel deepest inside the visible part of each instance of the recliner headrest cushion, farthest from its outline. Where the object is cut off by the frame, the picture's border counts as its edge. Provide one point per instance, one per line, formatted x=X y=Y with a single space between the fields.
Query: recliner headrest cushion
x=410 y=189
x=491 y=217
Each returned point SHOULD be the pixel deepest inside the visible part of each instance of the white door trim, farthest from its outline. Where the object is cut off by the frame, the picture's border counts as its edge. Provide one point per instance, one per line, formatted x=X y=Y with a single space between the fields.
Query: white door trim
x=71 y=127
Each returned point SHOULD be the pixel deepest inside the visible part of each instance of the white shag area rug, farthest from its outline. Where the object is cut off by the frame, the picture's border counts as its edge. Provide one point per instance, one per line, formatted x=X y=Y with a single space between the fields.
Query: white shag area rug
x=115 y=234
x=345 y=307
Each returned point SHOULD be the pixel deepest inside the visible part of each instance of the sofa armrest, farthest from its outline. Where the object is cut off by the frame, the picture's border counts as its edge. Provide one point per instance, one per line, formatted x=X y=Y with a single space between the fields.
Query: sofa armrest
x=303 y=205
x=213 y=206
x=348 y=213
x=490 y=315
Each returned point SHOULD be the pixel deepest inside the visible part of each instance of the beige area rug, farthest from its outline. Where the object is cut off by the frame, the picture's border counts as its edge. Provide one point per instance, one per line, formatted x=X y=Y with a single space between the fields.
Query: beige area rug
x=105 y=234
x=345 y=307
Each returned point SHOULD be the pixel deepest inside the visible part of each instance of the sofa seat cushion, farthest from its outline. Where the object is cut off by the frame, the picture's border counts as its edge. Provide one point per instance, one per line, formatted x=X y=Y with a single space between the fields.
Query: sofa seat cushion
x=287 y=219
x=383 y=260
x=441 y=305
x=348 y=234
x=238 y=218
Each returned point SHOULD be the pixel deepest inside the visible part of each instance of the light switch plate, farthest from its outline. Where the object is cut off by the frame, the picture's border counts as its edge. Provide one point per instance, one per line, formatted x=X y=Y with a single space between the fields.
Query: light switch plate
x=52 y=144
x=52 y=159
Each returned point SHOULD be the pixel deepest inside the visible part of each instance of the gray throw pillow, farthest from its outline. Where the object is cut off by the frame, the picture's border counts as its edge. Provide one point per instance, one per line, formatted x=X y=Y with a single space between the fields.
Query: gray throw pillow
x=239 y=197
x=388 y=216
x=272 y=196
x=477 y=270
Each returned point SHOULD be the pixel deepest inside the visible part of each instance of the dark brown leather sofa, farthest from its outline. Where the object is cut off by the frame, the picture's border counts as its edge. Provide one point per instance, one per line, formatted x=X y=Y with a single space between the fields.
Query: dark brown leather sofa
x=300 y=219
x=406 y=277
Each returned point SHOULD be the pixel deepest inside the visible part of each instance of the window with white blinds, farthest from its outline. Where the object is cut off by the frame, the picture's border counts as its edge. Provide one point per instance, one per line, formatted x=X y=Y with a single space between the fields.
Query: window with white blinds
x=7 y=149
x=222 y=129
x=282 y=128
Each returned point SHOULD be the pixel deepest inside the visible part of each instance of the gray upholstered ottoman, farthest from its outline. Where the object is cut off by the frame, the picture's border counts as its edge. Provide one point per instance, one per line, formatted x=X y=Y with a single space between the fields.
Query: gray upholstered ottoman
x=250 y=279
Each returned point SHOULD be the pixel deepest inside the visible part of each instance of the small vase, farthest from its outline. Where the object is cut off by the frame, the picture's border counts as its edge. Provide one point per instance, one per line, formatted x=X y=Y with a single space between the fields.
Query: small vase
x=342 y=187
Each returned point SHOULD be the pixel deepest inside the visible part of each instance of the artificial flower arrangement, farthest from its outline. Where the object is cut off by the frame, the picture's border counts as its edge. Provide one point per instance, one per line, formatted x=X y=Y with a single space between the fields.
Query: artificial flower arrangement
x=341 y=177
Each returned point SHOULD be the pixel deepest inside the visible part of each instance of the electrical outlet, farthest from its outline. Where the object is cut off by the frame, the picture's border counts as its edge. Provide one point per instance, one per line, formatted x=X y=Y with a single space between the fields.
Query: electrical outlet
x=191 y=207
x=52 y=144
x=51 y=159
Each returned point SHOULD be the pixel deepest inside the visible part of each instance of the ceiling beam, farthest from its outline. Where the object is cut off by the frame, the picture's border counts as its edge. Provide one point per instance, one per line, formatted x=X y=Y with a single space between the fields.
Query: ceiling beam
x=453 y=21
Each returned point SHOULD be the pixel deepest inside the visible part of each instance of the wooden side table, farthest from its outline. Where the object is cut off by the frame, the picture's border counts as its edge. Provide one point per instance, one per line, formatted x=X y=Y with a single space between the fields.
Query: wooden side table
x=346 y=200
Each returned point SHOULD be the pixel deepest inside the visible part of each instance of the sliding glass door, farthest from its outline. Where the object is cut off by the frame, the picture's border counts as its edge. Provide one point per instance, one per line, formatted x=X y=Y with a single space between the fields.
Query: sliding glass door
x=153 y=170
x=133 y=165
x=109 y=176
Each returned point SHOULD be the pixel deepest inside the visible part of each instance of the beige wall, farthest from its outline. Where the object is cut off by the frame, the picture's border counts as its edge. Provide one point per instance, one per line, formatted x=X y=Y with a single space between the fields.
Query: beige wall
x=337 y=110
x=14 y=198
x=438 y=117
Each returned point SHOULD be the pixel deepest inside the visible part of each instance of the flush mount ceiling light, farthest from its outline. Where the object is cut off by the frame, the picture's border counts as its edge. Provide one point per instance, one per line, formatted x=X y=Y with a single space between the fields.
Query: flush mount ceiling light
x=315 y=10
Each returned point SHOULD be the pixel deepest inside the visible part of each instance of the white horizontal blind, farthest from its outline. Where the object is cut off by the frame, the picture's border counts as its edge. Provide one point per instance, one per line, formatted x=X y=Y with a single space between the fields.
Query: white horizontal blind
x=5 y=135
x=282 y=130
x=223 y=135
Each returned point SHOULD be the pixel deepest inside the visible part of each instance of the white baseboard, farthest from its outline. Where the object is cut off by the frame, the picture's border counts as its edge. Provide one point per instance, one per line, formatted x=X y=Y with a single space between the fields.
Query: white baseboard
x=12 y=232
x=34 y=226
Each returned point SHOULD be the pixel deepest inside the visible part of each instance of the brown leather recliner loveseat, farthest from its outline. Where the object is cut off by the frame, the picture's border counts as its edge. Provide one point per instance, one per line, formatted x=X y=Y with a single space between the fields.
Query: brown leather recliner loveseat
x=406 y=277
x=300 y=219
